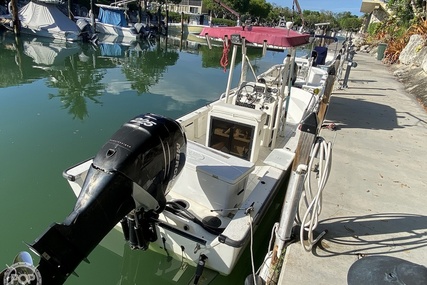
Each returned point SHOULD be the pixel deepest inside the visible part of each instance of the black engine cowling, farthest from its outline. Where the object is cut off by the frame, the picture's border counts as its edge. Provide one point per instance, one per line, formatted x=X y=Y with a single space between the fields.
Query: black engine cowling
x=132 y=173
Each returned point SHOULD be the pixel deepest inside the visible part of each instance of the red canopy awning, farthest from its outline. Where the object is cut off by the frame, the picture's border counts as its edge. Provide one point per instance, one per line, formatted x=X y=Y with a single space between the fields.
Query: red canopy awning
x=277 y=37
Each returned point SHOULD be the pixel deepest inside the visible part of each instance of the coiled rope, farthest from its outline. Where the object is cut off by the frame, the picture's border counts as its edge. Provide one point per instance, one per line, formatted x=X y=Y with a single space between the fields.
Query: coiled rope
x=225 y=52
x=313 y=201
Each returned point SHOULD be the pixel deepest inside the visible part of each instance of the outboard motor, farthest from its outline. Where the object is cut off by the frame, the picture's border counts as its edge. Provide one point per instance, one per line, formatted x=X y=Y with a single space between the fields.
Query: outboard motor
x=86 y=31
x=130 y=176
x=142 y=29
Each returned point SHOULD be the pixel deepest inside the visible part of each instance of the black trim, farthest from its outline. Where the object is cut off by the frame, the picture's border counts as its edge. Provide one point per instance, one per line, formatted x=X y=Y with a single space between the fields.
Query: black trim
x=309 y=124
x=233 y=243
x=180 y=232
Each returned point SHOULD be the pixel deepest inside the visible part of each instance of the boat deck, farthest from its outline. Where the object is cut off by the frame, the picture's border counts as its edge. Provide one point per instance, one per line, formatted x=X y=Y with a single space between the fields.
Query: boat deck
x=374 y=202
x=290 y=139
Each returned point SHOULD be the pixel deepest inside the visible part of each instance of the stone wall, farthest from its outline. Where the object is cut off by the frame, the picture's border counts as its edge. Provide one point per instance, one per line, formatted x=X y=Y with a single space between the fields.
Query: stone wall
x=412 y=69
x=415 y=52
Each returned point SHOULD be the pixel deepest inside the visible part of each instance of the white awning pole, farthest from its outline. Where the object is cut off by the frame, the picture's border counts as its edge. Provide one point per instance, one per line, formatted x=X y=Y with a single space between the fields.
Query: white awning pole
x=230 y=74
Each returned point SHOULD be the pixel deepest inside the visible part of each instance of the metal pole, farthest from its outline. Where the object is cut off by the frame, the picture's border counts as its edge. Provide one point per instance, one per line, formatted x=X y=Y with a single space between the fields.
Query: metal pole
x=347 y=74
x=286 y=82
x=230 y=74
x=244 y=62
x=350 y=64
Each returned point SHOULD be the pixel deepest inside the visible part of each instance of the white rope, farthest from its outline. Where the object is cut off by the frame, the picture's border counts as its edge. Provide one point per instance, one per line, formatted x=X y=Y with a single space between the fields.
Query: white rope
x=252 y=250
x=270 y=244
x=313 y=201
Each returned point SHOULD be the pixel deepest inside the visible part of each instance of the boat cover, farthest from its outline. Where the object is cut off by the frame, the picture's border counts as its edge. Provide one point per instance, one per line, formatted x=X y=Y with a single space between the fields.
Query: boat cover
x=277 y=37
x=114 y=17
x=43 y=16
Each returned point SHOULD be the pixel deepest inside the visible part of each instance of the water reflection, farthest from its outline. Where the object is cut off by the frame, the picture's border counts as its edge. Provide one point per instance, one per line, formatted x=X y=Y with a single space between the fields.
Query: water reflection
x=76 y=70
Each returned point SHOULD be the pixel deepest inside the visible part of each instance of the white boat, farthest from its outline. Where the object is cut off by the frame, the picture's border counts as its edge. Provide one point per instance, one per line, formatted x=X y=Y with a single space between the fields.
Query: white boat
x=194 y=24
x=306 y=76
x=196 y=188
x=111 y=22
x=44 y=19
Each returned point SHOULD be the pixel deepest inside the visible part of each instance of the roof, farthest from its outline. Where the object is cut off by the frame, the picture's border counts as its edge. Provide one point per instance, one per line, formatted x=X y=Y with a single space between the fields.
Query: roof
x=370 y=5
x=277 y=37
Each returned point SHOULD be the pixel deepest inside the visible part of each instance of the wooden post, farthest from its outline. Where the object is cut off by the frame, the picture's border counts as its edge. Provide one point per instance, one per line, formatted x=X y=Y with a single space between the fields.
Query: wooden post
x=182 y=22
x=167 y=19
x=15 y=18
x=306 y=140
x=326 y=98
x=294 y=190
x=92 y=15
x=70 y=14
x=139 y=12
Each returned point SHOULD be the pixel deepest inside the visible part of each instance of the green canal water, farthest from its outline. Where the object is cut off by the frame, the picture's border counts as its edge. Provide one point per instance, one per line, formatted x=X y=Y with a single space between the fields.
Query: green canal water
x=60 y=102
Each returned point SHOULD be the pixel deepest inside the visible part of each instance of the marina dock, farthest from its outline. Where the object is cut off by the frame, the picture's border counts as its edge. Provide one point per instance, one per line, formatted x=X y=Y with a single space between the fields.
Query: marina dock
x=375 y=200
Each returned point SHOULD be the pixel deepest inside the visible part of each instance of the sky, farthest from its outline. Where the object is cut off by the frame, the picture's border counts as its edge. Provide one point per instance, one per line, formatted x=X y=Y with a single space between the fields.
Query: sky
x=336 y=6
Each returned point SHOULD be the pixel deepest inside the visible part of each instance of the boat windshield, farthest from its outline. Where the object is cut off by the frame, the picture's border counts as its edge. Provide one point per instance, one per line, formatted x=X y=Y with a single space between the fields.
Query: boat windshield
x=231 y=137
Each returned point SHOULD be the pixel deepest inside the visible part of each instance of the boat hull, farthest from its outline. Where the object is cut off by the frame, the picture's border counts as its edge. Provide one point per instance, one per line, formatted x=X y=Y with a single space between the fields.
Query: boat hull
x=185 y=28
x=122 y=32
x=63 y=36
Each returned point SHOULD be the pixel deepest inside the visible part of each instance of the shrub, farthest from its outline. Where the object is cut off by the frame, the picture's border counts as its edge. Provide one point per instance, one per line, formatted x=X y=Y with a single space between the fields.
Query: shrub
x=223 y=22
x=373 y=28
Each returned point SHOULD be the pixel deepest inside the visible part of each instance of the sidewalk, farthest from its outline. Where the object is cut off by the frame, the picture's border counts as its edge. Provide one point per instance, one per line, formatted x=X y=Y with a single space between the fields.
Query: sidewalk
x=375 y=201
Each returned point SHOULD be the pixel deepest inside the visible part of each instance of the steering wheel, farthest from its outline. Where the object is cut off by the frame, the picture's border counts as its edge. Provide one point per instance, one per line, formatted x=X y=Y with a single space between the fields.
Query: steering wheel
x=249 y=95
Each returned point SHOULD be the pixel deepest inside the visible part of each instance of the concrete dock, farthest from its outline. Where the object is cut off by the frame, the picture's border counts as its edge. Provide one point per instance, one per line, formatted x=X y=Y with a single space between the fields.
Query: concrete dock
x=375 y=201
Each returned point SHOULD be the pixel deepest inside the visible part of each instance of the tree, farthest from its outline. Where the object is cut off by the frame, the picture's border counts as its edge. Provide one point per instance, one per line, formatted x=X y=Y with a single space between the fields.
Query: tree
x=259 y=9
x=219 y=11
x=348 y=22
x=265 y=12
x=242 y=6
x=276 y=12
x=406 y=10
x=351 y=24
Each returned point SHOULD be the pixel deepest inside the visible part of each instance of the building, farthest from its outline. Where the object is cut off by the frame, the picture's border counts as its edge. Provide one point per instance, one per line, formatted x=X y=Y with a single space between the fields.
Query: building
x=376 y=10
x=187 y=7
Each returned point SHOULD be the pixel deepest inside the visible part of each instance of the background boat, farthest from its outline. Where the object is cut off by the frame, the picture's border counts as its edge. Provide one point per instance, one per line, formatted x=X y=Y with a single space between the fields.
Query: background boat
x=193 y=24
x=44 y=19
